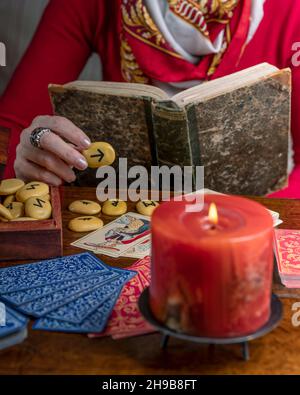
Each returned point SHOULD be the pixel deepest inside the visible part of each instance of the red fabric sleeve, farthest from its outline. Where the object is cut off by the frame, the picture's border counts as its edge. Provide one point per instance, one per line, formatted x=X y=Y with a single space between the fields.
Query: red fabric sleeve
x=290 y=34
x=64 y=40
x=293 y=189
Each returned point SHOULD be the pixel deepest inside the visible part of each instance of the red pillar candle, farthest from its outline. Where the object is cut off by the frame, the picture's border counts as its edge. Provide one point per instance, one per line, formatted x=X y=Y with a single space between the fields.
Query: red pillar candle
x=212 y=279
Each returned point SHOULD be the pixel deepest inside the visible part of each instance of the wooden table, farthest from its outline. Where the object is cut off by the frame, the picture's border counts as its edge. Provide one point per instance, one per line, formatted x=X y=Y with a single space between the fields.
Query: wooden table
x=59 y=353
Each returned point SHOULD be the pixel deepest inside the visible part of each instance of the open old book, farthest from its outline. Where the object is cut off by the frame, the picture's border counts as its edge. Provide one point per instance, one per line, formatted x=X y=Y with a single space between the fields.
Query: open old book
x=237 y=126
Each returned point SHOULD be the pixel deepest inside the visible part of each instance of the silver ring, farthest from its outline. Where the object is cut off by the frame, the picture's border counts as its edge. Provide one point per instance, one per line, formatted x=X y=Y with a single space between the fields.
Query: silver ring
x=36 y=135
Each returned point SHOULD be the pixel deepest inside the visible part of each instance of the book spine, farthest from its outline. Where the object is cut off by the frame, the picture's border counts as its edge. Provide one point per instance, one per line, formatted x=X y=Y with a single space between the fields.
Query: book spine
x=193 y=128
x=171 y=134
x=149 y=120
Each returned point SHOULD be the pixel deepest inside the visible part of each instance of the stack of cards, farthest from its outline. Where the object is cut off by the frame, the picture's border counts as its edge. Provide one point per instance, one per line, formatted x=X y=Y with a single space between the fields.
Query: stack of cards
x=128 y=236
x=71 y=294
x=287 y=251
x=126 y=319
x=13 y=327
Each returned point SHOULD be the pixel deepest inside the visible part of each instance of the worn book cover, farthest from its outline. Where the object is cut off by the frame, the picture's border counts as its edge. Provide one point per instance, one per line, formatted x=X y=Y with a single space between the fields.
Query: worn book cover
x=237 y=127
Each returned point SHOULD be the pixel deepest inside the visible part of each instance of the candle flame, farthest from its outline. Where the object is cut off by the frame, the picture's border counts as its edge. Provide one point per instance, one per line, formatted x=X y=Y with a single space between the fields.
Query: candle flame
x=213 y=214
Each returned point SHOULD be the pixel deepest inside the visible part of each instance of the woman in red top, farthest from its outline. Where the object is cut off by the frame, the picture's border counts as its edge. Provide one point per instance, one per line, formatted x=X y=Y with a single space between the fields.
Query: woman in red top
x=173 y=44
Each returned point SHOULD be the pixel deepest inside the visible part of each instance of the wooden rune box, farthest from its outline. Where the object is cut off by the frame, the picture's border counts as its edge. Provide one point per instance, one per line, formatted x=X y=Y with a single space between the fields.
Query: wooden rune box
x=33 y=239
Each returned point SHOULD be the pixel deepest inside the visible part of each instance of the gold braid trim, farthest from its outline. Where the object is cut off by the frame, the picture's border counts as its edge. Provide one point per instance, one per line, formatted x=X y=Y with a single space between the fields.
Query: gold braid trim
x=130 y=69
x=138 y=23
x=218 y=57
x=218 y=8
x=199 y=13
x=138 y=18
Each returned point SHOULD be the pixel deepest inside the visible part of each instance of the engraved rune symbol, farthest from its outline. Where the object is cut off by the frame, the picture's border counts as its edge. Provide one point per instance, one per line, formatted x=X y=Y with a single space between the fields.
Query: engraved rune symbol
x=100 y=155
x=86 y=203
x=32 y=187
x=149 y=204
x=115 y=203
x=39 y=202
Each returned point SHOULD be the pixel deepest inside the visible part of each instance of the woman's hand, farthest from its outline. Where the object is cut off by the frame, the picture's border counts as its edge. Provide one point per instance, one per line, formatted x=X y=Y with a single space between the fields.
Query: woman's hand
x=54 y=161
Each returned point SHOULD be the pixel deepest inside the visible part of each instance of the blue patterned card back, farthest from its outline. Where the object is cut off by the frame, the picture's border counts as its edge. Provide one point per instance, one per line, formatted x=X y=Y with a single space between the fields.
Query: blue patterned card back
x=95 y=322
x=35 y=294
x=13 y=322
x=22 y=277
x=81 y=308
x=46 y=304
x=13 y=339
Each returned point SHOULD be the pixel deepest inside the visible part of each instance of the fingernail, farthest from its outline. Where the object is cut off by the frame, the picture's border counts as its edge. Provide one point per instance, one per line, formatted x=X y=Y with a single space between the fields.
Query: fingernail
x=81 y=163
x=86 y=142
x=71 y=179
x=57 y=183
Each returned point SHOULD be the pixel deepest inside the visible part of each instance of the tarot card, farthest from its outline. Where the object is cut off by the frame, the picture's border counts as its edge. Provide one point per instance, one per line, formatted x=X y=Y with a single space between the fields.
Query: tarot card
x=13 y=339
x=143 y=267
x=143 y=262
x=29 y=295
x=277 y=222
x=77 y=310
x=142 y=330
x=139 y=250
x=46 y=304
x=13 y=322
x=287 y=250
x=52 y=271
x=94 y=322
x=118 y=236
x=126 y=319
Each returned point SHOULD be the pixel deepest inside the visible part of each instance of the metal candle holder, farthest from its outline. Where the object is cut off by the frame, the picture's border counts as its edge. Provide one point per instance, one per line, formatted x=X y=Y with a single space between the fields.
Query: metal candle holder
x=275 y=317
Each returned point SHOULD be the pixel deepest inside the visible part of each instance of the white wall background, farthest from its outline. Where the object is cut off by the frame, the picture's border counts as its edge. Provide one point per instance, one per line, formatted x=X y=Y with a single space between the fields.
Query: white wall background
x=18 y=21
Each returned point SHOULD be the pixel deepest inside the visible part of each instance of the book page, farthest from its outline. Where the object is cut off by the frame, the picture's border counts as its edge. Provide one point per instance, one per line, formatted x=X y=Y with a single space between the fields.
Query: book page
x=225 y=84
x=119 y=89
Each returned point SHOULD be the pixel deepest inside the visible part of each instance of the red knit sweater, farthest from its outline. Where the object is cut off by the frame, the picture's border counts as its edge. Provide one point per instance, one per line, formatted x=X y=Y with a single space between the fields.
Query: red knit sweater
x=70 y=30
